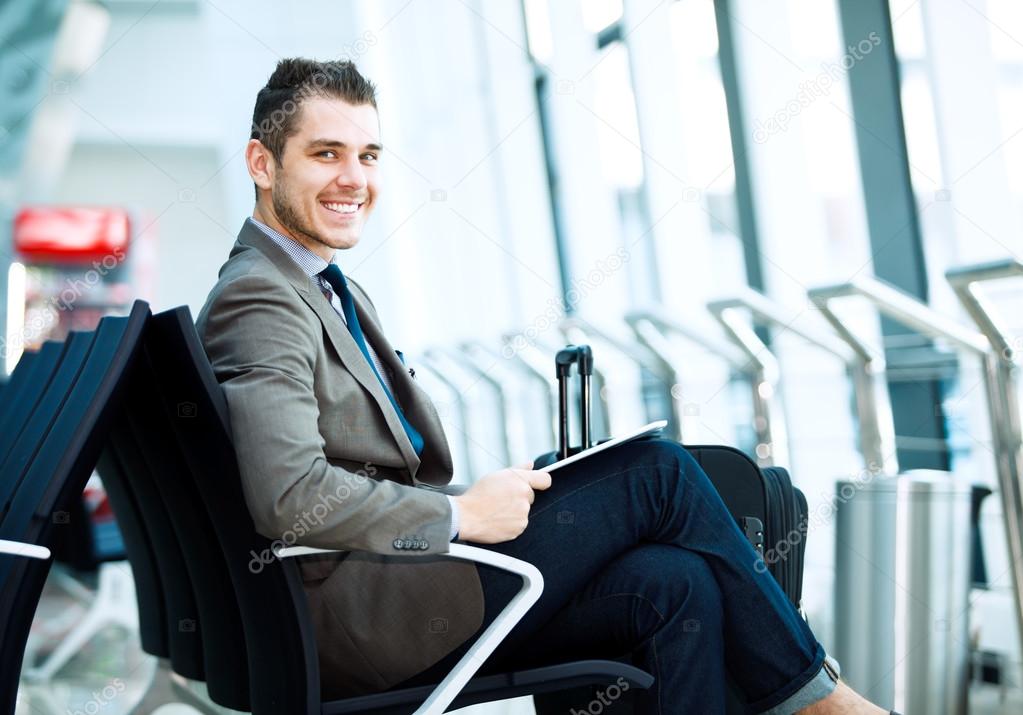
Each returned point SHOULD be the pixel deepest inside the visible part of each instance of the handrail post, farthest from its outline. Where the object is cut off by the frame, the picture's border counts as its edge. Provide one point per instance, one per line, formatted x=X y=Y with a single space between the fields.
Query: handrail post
x=537 y=371
x=768 y=417
x=652 y=324
x=429 y=361
x=904 y=309
x=999 y=383
x=1000 y=380
x=471 y=362
x=764 y=311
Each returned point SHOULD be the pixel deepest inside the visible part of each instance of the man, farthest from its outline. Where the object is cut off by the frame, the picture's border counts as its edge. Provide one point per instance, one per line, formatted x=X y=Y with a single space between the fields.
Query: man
x=338 y=445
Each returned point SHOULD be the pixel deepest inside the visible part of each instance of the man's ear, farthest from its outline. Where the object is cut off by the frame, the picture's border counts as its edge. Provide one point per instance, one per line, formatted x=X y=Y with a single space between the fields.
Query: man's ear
x=261 y=164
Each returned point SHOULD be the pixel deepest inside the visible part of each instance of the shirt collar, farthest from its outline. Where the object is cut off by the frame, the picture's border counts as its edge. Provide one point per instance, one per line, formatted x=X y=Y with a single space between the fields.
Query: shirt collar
x=309 y=262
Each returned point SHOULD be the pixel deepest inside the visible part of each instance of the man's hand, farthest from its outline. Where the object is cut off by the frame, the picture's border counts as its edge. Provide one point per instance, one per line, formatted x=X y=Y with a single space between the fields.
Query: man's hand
x=496 y=508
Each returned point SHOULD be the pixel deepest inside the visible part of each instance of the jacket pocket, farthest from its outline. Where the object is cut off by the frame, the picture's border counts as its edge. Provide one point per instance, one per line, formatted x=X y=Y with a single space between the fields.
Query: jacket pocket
x=401 y=615
x=317 y=567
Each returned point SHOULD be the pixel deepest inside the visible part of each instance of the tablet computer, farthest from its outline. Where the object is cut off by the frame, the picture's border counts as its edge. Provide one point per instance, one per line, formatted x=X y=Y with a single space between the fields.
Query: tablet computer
x=645 y=431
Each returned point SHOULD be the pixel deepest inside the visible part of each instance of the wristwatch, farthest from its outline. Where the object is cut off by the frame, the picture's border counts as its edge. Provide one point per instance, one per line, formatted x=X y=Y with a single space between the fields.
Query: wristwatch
x=832 y=668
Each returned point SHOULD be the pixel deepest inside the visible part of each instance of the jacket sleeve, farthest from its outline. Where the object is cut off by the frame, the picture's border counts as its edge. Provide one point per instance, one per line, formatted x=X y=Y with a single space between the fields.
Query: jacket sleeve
x=262 y=343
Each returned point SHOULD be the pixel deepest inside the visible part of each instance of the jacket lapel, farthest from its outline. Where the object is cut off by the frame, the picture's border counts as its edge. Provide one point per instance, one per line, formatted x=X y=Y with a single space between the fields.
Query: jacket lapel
x=344 y=344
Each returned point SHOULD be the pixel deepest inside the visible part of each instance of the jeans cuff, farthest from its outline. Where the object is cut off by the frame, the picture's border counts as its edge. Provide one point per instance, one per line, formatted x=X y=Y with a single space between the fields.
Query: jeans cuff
x=819 y=687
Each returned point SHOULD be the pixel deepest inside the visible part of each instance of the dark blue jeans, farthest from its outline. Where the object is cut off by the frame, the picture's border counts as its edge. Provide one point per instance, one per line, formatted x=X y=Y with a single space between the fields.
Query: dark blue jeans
x=640 y=557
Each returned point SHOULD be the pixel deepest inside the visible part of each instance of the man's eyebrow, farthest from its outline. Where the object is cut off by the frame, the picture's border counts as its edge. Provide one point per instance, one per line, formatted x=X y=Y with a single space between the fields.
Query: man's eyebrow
x=340 y=144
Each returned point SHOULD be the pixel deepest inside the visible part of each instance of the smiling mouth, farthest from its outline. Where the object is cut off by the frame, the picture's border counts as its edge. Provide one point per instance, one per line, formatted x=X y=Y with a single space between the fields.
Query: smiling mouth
x=344 y=209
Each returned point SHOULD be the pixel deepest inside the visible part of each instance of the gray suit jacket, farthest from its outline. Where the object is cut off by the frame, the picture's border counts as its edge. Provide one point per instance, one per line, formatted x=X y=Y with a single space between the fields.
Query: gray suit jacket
x=325 y=462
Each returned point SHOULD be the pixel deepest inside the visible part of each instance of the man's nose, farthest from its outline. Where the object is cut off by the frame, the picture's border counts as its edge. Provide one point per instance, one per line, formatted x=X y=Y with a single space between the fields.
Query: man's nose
x=351 y=174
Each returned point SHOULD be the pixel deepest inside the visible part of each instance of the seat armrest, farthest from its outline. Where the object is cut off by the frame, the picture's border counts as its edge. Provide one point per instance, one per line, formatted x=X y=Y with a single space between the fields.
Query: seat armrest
x=532 y=586
x=16 y=548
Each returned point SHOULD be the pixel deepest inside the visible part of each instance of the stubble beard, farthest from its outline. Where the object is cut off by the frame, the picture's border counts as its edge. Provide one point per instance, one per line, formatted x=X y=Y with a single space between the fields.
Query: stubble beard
x=288 y=215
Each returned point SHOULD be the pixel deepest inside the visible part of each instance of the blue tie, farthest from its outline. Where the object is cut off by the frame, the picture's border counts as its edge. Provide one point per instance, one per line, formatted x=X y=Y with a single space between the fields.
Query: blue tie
x=333 y=275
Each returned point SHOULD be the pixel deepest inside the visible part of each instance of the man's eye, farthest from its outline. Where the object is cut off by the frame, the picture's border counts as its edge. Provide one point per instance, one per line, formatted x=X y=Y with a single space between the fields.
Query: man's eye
x=371 y=156
x=325 y=154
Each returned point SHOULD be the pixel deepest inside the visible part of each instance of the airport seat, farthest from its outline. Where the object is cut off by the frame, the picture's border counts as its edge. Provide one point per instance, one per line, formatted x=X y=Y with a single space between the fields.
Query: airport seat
x=28 y=382
x=156 y=473
x=89 y=544
x=181 y=615
x=39 y=396
x=153 y=623
x=279 y=642
x=48 y=465
x=16 y=379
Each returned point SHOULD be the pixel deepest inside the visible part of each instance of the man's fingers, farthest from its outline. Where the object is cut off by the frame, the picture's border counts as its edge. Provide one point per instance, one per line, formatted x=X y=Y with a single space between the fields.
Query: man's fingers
x=539 y=480
x=534 y=478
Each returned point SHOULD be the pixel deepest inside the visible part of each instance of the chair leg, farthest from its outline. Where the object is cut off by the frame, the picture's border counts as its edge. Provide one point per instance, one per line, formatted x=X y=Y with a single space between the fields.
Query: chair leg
x=113 y=604
x=70 y=585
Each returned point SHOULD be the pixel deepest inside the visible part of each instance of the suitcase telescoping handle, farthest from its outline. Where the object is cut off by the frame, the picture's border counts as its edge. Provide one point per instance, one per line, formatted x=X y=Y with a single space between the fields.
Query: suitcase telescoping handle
x=582 y=356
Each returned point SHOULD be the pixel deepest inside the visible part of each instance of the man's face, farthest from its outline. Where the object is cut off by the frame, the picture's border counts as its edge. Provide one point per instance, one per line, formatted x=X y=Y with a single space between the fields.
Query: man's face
x=326 y=183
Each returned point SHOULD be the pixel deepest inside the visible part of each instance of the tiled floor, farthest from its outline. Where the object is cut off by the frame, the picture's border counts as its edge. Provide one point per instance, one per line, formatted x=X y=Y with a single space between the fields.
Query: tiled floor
x=112 y=676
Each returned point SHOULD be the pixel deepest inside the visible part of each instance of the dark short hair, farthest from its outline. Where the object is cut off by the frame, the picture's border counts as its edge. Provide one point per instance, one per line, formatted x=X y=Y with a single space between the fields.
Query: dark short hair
x=275 y=116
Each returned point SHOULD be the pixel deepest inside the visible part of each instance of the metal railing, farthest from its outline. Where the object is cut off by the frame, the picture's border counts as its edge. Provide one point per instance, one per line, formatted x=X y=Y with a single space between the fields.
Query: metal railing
x=1000 y=381
x=538 y=370
x=915 y=525
x=430 y=361
x=514 y=430
x=652 y=326
x=479 y=367
x=877 y=437
x=876 y=434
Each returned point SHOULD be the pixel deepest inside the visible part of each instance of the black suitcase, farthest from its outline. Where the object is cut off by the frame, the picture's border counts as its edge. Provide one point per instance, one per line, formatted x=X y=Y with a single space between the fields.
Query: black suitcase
x=772 y=513
x=768 y=508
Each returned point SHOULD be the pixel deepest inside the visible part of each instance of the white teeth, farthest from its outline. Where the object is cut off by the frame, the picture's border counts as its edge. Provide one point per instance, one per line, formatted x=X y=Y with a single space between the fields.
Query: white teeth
x=342 y=208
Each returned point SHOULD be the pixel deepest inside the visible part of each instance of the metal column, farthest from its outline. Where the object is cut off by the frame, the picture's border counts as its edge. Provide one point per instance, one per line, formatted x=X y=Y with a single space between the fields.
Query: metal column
x=740 y=150
x=895 y=239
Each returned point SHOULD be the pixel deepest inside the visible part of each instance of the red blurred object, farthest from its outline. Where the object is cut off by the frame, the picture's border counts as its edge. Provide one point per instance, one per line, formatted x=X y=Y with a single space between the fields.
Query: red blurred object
x=97 y=503
x=72 y=235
